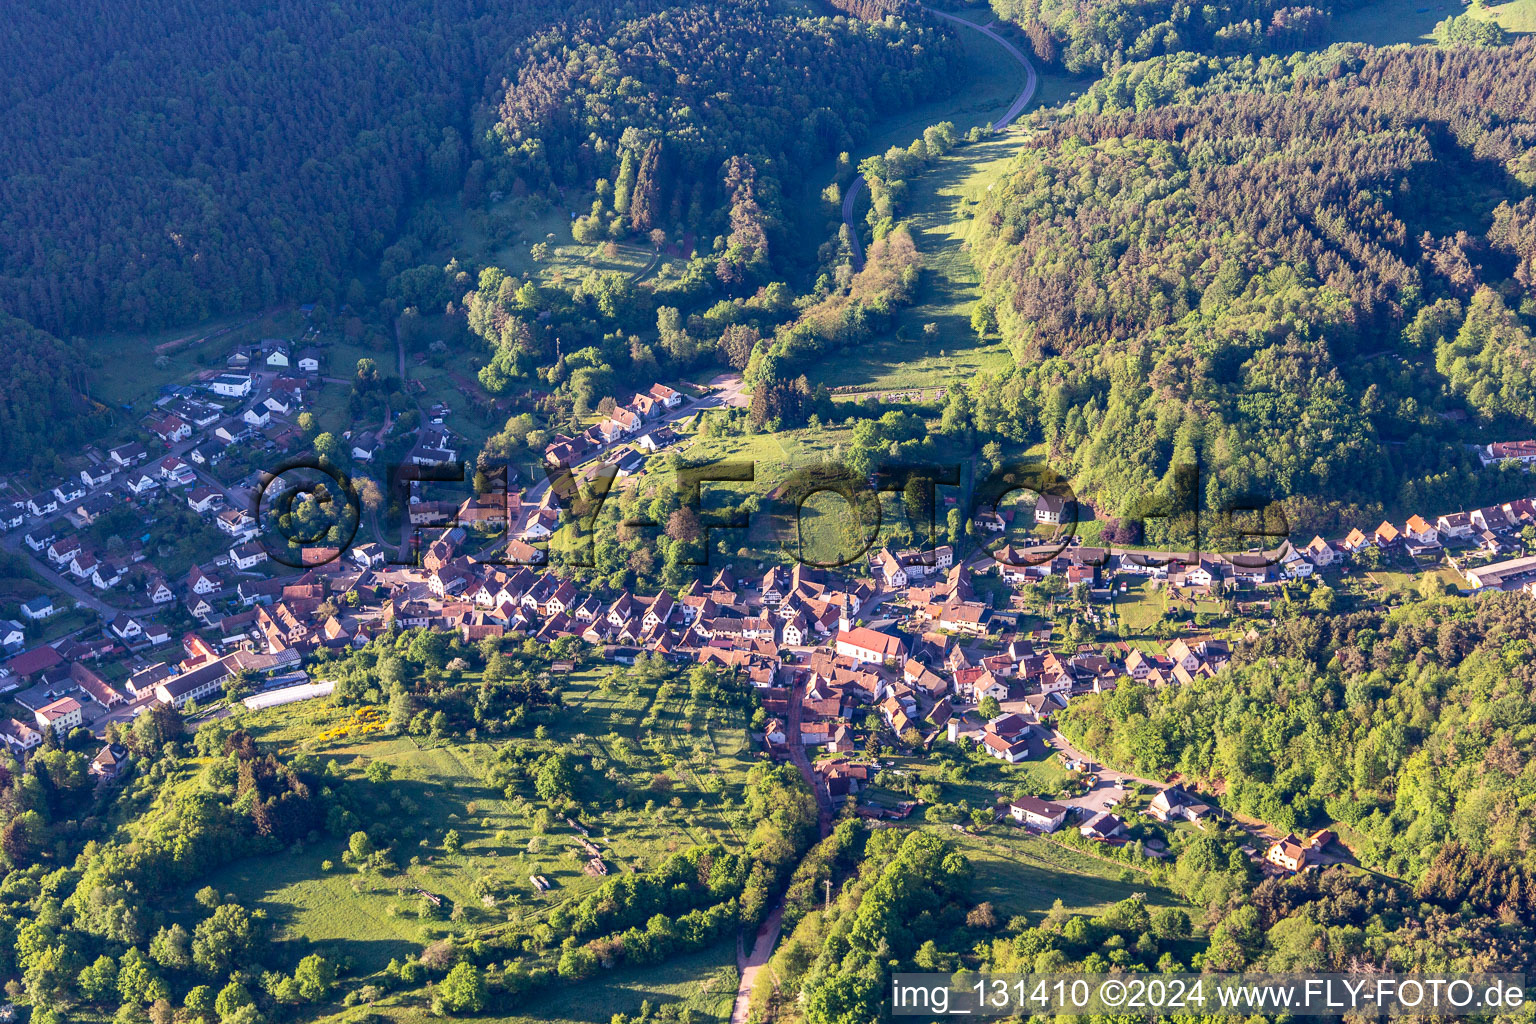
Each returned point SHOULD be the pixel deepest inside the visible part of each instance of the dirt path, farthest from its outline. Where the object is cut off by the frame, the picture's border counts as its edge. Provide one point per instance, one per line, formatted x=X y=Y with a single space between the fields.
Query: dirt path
x=750 y=964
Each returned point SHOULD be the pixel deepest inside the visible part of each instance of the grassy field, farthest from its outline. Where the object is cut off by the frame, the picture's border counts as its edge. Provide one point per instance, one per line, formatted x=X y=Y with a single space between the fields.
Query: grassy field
x=988 y=780
x=132 y=372
x=907 y=357
x=1024 y=874
x=658 y=782
x=703 y=982
x=505 y=234
x=1386 y=22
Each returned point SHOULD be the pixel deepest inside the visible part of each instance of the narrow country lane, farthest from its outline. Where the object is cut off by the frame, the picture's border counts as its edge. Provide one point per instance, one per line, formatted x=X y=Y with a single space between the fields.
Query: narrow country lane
x=751 y=963
x=1031 y=82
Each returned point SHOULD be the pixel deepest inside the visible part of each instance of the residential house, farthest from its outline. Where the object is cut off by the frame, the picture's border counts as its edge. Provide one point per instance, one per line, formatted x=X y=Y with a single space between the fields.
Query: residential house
x=172 y=429
x=175 y=472
x=1049 y=509
x=1102 y=827
x=125 y=627
x=237 y=523
x=140 y=482
x=1455 y=526
x=1043 y=815
x=1177 y=803
x=109 y=762
x=62 y=715
x=231 y=385
x=668 y=397
x=97 y=475
x=38 y=608
x=1288 y=853
x=125 y=455
x=1419 y=530
x=1011 y=751
x=204 y=499
x=19 y=736
x=247 y=556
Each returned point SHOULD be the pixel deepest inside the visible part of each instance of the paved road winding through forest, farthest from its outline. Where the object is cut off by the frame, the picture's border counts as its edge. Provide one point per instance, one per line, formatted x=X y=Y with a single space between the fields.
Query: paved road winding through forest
x=750 y=963
x=1031 y=81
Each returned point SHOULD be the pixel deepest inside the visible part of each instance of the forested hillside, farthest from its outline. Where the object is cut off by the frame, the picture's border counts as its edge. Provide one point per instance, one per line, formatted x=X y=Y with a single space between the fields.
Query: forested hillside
x=701 y=117
x=235 y=157
x=1283 y=269
x=228 y=155
x=1414 y=728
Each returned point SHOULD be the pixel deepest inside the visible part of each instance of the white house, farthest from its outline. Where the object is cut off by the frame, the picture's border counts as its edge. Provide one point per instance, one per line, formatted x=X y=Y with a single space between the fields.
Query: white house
x=12 y=635
x=141 y=482
x=42 y=504
x=63 y=715
x=125 y=455
x=204 y=499
x=257 y=416
x=1041 y=814
x=248 y=555
x=1049 y=509
x=38 y=608
x=68 y=491
x=668 y=397
x=231 y=385
x=96 y=476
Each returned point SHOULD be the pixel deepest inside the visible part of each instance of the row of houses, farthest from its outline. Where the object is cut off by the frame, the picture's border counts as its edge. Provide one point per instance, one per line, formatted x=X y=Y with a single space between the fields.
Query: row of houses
x=625 y=421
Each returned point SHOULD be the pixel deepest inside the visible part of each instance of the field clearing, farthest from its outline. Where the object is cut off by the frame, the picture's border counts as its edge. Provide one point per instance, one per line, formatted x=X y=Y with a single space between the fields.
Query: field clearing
x=907 y=357
x=1388 y=22
x=704 y=982
x=659 y=777
x=1024 y=874
x=129 y=374
x=1514 y=16
x=530 y=220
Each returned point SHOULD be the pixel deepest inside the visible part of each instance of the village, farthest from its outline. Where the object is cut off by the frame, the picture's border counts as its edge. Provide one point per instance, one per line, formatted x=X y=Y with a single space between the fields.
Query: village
x=923 y=647
x=915 y=648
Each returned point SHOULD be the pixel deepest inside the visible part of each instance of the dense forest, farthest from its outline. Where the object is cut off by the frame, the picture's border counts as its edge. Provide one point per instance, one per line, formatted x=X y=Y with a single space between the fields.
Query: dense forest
x=238 y=158
x=230 y=156
x=1292 y=271
x=1413 y=727
x=1089 y=35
